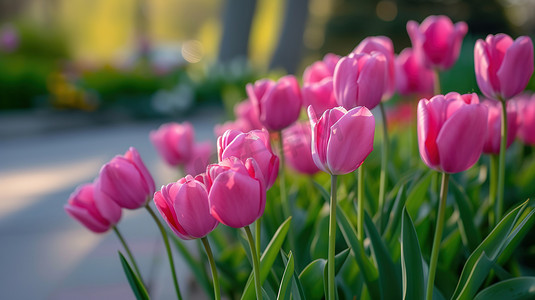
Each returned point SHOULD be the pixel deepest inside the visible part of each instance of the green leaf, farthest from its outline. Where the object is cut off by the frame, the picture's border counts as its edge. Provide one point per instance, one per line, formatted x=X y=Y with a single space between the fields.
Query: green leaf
x=312 y=276
x=369 y=272
x=524 y=226
x=417 y=194
x=286 y=278
x=395 y=214
x=388 y=272
x=469 y=234
x=297 y=288
x=339 y=260
x=268 y=258
x=476 y=268
x=520 y=288
x=135 y=283
x=411 y=261
x=195 y=266
x=324 y=193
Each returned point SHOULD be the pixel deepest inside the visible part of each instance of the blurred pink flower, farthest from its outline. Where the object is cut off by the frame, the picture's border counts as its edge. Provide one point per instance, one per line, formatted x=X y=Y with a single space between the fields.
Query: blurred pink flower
x=297 y=148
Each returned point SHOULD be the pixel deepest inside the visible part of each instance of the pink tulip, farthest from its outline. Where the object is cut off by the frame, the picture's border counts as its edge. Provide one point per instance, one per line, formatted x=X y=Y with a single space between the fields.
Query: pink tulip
x=451 y=131
x=492 y=142
x=298 y=148
x=383 y=45
x=245 y=111
x=412 y=76
x=184 y=206
x=237 y=194
x=321 y=69
x=341 y=139
x=277 y=103
x=437 y=40
x=254 y=144
x=81 y=206
x=124 y=180
x=360 y=80
x=503 y=66
x=174 y=142
x=320 y=95
x=202 y=153
x=526 y=114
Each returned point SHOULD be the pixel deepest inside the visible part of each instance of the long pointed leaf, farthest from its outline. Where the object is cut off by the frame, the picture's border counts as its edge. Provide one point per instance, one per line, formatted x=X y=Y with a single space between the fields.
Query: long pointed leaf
x=469 y=234
x=489 y=249
x=389 y=277
x=411 y=261
x=369 y=272
x=520 y=288
x=286 y=278
x=268 y=258
x=135 y=283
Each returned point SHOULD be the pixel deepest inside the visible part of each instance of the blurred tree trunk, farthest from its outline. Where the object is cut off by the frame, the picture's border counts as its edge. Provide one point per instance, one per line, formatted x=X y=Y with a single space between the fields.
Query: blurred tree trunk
x=287 y=55
x=237 y=20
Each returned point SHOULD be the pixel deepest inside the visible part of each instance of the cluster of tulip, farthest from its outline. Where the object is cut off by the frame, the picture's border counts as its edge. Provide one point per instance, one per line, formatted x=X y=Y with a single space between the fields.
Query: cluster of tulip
x=339 y=93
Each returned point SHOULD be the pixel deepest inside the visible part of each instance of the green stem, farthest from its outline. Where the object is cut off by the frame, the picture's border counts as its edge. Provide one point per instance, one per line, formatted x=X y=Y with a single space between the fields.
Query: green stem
x=494 y=163
x=360 y=204
x=437 y=89
x=384 y=167
x=128 y=252
x=332 y=240
x=215 y=278
x=168 y=248
x=258 y=230
x=282 y=181
x=501 y=166
x=256 y=263
x=438 y=235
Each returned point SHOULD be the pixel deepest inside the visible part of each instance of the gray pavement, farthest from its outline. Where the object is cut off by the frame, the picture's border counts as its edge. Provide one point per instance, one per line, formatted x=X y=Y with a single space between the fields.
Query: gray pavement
x=46 y=255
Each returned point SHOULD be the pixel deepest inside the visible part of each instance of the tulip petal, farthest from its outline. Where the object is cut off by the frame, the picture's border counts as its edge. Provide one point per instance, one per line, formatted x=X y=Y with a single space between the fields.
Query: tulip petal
x=459 y=148
x=516 y=68
x=350 y=141
x=345 y=86
x=372 y=80
x=192 y=209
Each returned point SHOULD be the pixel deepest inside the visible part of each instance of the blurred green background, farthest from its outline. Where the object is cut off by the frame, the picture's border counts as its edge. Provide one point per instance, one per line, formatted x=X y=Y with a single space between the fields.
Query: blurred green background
x=164 y=57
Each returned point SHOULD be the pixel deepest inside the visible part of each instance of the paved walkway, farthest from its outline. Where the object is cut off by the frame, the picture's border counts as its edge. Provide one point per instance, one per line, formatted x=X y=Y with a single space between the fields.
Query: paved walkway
x=46 y=255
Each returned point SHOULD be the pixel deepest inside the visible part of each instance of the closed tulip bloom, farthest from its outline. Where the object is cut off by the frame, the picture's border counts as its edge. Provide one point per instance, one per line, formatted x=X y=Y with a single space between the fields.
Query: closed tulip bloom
x=320 y=70
x=174 y=142
x=126 y=181
x=492 y=142
x=360 y=80
x=253 y=144
x=413 y=78
x=320 y=95
x=438 y=40
x=451 y=131
x=278 y=104
x=383 y=45
x=526 y=114
x=341 y=139
x=184 y=206
x=297 y=148
x=81 y=206
x=237 y=194
x=246 y=111
x=503 y=66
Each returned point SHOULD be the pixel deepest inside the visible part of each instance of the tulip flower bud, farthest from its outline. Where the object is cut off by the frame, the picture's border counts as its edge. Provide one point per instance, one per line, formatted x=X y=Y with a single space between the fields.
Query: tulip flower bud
x=81 y=206
x=125 y=180
x=383 y=45
x=503 y=66
x=341 y=139
x=297 y=148
x=254 y=144
x=277 y=103
x=413 y=78
x=320 y=70
x=174 y=142
x=360 y=80
x=237 y=194
x=451 y=131
x=320 y=95
x=202 y=153
x=184 y=206
x=526 y=115
x=246 y=111
x=494 y=137
x=437 y=41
